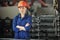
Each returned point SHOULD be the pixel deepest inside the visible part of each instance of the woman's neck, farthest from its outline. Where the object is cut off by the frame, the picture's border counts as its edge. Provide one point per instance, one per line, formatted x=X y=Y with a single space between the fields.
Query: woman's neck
x=22 y=15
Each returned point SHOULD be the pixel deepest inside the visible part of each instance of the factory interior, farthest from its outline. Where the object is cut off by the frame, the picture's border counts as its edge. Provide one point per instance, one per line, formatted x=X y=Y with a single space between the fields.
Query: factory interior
x=45 y=19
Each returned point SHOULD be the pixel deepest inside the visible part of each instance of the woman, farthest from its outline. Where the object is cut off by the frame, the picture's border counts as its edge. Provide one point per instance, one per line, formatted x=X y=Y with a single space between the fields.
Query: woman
x=22 y=22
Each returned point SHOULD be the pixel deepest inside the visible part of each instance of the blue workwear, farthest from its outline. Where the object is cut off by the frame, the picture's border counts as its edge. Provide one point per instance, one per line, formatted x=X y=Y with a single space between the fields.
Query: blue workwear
x=22 y=22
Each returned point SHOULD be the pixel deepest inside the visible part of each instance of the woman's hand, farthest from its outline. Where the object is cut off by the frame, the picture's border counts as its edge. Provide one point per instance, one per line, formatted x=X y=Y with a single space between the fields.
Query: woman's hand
x=20 y=27
x=27 y=24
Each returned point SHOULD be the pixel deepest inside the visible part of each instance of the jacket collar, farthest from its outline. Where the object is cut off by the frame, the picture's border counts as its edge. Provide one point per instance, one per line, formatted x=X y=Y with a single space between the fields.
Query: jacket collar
x=19 y=15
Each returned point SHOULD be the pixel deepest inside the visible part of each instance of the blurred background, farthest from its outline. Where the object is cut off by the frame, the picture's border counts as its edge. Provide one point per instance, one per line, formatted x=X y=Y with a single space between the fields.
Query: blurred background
x=45 y=20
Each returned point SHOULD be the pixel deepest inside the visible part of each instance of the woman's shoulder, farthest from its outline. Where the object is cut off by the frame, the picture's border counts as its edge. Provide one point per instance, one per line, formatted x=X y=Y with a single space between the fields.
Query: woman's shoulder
x=16 y=16
x=29 y=16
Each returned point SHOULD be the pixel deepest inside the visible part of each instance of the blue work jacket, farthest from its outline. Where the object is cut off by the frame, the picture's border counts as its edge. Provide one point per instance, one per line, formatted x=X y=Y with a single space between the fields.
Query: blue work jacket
x=22 y=22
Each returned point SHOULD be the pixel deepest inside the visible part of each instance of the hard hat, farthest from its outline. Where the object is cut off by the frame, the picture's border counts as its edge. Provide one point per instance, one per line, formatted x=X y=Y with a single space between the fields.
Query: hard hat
x=24 y=4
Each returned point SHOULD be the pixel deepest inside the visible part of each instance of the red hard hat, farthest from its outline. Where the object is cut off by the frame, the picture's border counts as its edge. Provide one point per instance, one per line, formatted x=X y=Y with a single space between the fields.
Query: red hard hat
x=24 y=4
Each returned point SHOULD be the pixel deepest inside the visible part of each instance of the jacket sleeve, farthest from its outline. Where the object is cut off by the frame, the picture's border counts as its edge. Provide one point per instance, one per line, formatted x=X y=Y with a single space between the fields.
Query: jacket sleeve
x=29 y=20
x=14 y=24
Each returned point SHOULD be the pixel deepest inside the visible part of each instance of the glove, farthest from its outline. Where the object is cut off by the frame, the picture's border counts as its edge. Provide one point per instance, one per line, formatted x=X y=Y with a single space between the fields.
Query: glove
x=20 y=27
x=27 y=24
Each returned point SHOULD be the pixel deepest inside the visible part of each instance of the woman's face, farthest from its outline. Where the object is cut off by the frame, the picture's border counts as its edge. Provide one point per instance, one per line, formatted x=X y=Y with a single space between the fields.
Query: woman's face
x=22 y=10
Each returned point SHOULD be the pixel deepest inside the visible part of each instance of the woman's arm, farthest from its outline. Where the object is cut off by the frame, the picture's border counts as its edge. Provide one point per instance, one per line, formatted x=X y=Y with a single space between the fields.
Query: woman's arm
x=14 y=24
x=27 y=26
